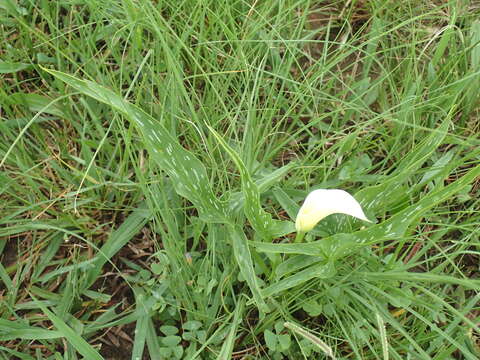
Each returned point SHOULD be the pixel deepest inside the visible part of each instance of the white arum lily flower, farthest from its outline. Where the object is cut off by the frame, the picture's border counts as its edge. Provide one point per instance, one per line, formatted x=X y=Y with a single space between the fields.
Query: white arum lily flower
x=321 y=203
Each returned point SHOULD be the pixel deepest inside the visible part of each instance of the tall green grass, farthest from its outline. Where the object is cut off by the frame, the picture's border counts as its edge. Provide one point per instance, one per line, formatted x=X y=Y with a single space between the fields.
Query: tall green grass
x=153 y=157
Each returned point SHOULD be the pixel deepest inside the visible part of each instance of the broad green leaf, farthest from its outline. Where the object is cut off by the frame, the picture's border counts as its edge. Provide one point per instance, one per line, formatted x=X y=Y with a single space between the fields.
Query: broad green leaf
x=340 y=245
x=169 y=330
x=435 y=171
x=398 y=224
x=420 y=277
x=188 y=173
x=243 y=257
x=284 y=341
x=312 y=248
x=171 y=340
x=192 y=325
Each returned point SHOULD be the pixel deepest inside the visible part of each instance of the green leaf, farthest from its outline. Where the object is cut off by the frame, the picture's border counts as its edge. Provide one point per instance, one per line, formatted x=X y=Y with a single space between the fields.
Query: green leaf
x=36 y=103
x=10 y=330
x=475 y=43
x=312 y=308
x=274 y=177
x=284 y=341
x=16 y=353
x=12 y=7
x=243 y=257
x=141 y=326
x=290 y=206
x=237 y=199
x=270 y=340
x=471 y=92
x=400 y=297
x=12 y=67
x=192 y=325
x=227 y=347
x=178 y=351
x=315 y=271
x=165 y=353
x=171 y=340
x=313 y=248
x=296 y=262
x=169 y=330
x=188 y=173
x=152 y=340
x=341 y=245
x=70 y=335
x=157 y=268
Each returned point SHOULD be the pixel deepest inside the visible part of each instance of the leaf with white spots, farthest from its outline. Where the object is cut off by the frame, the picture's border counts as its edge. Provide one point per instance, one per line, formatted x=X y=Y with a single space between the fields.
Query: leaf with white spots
x=187 y=172
x=389 y=191
x=341 y=245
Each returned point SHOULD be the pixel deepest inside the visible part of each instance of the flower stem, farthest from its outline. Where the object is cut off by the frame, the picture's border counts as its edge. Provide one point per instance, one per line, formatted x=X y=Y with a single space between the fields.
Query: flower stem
x=299 y=237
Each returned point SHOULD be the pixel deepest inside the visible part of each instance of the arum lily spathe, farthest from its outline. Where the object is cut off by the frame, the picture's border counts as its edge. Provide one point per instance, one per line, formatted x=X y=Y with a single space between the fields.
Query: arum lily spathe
x=321 y=203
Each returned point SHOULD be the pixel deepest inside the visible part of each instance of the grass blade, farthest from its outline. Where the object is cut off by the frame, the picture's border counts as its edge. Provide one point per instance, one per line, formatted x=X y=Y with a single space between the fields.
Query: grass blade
x=11 y=67
x=141 y=327
x=70 y=335
x=227 y=348
x=118 y=239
